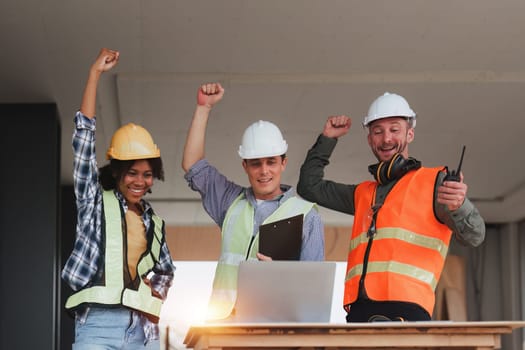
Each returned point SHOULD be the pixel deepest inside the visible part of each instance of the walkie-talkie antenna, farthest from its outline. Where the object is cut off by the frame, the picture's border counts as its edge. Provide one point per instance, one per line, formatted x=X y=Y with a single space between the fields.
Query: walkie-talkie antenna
x=460 y=161
x=454 y=175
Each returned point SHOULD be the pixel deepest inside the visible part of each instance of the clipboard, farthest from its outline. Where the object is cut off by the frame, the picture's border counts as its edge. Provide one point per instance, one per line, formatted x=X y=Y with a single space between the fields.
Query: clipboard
x=282 y=239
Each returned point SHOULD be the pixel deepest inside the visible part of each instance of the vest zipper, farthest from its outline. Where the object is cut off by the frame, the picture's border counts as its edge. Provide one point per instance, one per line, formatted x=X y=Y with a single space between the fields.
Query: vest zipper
x=126 y=276
x=249 y=248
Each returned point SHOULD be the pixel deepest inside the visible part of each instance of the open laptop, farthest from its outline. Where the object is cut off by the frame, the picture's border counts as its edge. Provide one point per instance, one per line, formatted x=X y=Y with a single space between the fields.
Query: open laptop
x=284 y=291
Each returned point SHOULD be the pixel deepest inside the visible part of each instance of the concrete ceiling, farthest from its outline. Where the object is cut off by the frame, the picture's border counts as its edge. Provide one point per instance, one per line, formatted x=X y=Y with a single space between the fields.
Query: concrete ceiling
x=460 y=64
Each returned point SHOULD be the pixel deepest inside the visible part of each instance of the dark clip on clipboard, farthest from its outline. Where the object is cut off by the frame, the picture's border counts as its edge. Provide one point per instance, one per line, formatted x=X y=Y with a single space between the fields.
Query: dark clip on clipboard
x=282 y=239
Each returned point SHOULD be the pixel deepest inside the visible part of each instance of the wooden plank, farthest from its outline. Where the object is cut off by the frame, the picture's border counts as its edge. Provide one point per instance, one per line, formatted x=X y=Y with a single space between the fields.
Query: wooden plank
x=402 y=335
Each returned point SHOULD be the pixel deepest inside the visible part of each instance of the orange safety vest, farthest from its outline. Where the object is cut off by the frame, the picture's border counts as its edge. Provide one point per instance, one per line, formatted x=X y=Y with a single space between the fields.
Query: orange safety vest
x=409 y=249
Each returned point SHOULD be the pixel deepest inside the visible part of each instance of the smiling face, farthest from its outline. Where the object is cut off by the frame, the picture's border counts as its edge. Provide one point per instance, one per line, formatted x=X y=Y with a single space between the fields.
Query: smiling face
x=389 y=136
x=136 y=182
x=264 y=175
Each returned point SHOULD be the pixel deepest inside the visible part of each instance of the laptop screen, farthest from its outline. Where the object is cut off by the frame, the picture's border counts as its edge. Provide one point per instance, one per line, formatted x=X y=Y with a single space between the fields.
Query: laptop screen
x=284 y=291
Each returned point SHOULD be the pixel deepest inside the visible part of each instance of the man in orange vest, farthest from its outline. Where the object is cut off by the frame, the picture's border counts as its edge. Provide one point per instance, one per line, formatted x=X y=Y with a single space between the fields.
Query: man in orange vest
x=403 y=220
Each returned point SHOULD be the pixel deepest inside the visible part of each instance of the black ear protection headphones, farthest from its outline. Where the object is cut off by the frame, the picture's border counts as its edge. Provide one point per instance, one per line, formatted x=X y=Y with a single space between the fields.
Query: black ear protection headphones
x=395 y=168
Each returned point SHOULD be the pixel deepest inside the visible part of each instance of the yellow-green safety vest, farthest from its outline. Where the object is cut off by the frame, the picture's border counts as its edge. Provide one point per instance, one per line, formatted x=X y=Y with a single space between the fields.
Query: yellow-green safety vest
x=113 y=292
x=238 y=244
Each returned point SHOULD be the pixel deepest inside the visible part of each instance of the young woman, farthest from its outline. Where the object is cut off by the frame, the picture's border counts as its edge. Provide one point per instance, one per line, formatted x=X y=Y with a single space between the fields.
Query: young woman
x=120 y=269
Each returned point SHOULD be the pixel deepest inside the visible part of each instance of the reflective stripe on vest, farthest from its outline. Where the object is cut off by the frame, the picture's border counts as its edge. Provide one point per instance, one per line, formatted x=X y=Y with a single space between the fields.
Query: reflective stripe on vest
x=237 y=245
x=409 y=249
x=114 y=292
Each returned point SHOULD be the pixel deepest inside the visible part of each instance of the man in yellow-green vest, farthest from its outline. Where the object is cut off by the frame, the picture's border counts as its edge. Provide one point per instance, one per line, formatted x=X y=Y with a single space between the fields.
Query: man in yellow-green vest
x=238 y=210
x=403 y=219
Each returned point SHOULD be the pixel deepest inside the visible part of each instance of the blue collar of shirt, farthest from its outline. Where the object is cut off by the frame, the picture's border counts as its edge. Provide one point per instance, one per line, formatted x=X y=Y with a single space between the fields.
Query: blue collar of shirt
x=288 y=192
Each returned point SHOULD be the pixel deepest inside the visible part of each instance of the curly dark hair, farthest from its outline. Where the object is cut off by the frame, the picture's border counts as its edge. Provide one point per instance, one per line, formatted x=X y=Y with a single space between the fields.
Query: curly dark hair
x=112 y=173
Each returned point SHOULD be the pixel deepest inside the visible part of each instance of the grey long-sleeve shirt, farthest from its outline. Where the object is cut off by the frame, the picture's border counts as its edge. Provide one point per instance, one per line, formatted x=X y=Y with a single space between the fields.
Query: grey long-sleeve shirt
x=218 y=193
x=466 y=223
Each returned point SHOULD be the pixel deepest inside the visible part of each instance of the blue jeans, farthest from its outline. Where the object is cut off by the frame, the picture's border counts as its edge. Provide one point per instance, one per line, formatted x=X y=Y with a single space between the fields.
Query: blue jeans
x=111 y=328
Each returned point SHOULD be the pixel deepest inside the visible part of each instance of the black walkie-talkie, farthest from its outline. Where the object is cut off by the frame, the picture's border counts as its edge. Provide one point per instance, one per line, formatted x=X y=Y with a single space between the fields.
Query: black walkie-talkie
x=454 y=174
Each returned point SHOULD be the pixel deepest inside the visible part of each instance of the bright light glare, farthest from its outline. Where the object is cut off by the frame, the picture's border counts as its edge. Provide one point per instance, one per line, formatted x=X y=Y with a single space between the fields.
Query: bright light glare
x=188 y=298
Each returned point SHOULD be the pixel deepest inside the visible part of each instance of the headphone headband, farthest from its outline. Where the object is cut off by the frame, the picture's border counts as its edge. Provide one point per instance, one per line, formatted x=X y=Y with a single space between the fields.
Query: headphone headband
x=394 y=169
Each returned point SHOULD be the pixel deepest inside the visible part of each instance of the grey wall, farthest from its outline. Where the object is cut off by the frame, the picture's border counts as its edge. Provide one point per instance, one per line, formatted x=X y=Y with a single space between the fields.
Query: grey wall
x=495 y=275
x=29 y=202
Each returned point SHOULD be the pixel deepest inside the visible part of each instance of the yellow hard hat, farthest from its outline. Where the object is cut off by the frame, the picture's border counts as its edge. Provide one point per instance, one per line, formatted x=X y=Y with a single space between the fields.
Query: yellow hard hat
x=132 y=141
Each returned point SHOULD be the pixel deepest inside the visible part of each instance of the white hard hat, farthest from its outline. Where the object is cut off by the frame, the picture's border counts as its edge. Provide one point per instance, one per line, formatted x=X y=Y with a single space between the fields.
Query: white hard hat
x=262 y=139
x=389 y=105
